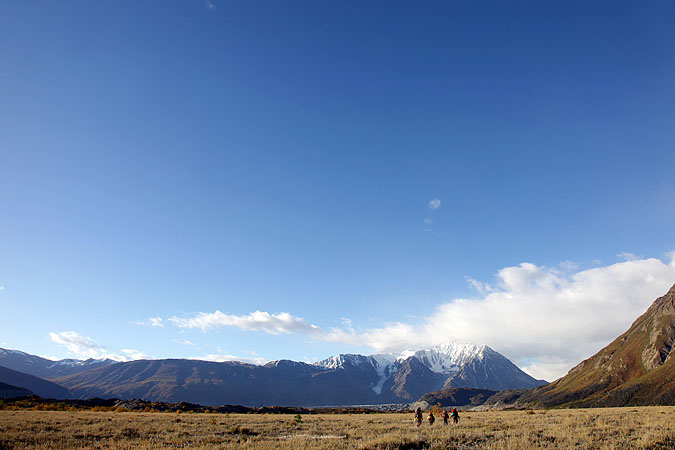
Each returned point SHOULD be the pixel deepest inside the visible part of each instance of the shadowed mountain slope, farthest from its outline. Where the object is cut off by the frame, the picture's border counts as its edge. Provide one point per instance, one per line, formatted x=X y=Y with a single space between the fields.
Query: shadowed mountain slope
x=491 y=371
x=637 y=368
x=9 y=391
x=38 y=386
x=211 y=383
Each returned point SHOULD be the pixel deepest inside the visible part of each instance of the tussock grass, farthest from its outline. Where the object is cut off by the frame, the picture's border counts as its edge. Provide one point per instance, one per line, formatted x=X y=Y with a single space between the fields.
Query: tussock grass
x=646 y=428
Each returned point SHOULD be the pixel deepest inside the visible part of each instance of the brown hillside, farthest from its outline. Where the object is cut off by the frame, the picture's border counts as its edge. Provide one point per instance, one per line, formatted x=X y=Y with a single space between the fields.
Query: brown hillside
x=637 y=368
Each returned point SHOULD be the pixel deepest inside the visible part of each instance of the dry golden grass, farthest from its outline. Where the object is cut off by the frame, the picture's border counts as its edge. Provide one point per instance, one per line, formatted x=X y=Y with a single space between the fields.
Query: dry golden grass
x=615 y=428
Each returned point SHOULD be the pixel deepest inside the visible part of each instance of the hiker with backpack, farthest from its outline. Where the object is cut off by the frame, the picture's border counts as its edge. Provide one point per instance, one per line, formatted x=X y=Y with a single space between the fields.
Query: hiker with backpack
x=455 y=415
x=445 y=416
x=418 y=416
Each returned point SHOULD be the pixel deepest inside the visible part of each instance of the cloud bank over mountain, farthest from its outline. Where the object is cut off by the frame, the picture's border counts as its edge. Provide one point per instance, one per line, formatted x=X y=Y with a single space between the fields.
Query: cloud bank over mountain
x=546 y=319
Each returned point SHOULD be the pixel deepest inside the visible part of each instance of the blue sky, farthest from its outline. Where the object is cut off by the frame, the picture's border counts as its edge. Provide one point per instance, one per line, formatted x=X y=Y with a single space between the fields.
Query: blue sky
x=166 y=160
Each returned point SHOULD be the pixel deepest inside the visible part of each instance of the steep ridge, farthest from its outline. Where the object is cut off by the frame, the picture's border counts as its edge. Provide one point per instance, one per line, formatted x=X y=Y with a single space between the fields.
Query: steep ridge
x=414 y=379
x=491 y=370
x=637 y=368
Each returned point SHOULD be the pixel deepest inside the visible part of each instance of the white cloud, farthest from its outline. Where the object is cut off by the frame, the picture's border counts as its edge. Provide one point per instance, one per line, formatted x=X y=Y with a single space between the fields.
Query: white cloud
x=2 y=288
x=84 y=347
x=541 y=319
x=81 y=346
x=282 y=323
x=435 y=204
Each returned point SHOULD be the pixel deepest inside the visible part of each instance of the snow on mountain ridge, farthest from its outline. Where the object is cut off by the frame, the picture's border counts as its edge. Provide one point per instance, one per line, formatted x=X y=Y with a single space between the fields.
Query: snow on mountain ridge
x=69 y=362
x=449 y=357
x=383 y=364
x=338 y=361
x=445 y=358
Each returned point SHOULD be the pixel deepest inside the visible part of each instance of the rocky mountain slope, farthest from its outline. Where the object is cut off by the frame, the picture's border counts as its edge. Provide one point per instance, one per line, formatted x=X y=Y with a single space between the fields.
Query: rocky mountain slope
x=637 y=368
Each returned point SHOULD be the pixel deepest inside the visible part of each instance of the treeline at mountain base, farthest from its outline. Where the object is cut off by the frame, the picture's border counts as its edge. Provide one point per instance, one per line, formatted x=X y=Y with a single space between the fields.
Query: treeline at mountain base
x=35 y=403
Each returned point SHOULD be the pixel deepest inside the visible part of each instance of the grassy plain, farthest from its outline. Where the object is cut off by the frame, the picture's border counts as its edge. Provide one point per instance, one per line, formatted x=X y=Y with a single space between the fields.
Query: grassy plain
x=613 y=428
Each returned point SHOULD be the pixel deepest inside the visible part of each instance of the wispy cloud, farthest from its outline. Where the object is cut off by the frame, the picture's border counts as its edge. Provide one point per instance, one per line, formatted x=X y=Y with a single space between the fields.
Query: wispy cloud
x=84 y=347
x=568 y=266
x=2 y=288
x=479 y=285
x=282 y=323
x=627 y=256
x=81 y=346
x=426 y=224
x=134 y=354
x=156 y=322
x=435 y=204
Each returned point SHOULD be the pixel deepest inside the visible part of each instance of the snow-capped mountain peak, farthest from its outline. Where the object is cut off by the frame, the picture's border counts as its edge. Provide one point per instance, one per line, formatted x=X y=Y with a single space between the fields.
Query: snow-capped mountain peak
x=447 y=358
x=451 y=364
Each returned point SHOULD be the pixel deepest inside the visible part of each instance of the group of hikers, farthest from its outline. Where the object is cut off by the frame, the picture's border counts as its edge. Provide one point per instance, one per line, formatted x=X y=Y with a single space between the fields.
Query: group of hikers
x=431 y=418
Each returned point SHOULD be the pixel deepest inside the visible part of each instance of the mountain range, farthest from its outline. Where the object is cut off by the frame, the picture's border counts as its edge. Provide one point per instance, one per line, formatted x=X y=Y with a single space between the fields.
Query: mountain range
x=46 y=368
x=344 y=379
